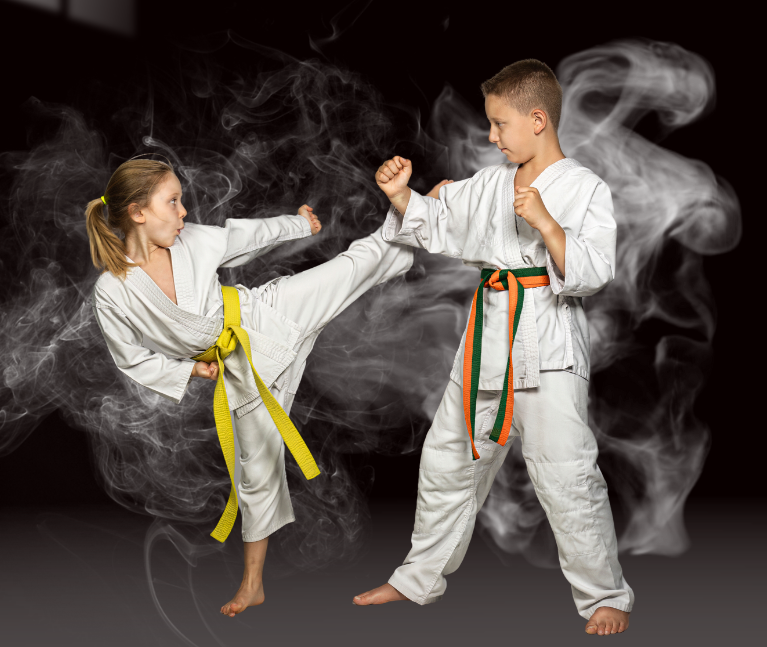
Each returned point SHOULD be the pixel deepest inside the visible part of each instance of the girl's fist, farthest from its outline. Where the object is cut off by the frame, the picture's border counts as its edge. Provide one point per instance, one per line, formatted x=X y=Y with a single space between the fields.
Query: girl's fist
x=205 y=370
x=306 y=211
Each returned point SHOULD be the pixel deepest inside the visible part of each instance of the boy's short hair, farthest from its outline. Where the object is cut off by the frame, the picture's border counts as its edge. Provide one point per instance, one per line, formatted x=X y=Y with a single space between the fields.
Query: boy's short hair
x=527 y=85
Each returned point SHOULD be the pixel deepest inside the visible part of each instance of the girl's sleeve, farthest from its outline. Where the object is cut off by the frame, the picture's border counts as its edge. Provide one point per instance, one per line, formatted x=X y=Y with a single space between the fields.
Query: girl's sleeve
x=589 y=256
x=163 y=375
x=439 y=225
x=247 y=238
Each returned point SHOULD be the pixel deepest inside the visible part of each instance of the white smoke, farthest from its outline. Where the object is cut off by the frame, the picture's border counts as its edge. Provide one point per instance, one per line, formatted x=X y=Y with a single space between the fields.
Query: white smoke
x=289 y=132
x=670 y=211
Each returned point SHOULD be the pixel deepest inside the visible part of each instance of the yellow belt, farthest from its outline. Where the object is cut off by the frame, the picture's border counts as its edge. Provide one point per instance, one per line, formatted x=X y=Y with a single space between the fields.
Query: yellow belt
x=225 y=344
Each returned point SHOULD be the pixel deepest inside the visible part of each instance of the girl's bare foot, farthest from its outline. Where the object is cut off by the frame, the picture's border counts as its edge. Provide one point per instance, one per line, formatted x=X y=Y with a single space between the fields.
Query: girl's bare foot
x=248 y=595
x=606 y=621
x=381 y=595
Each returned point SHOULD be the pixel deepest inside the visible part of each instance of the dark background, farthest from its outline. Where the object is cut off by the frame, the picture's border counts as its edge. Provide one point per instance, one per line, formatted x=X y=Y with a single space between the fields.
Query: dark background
x=409 y=55
x=74 y=562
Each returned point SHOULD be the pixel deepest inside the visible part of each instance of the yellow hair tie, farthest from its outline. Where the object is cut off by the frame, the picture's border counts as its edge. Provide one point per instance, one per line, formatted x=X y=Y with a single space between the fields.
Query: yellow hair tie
x=102 y=199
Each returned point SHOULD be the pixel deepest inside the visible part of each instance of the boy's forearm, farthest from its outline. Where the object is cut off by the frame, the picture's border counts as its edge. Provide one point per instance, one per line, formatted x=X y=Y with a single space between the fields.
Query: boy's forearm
x=401 y=200
x=554 y=237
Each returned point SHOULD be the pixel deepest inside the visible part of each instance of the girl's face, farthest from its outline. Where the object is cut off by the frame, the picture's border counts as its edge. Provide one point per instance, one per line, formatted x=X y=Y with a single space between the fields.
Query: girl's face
x=163 y=218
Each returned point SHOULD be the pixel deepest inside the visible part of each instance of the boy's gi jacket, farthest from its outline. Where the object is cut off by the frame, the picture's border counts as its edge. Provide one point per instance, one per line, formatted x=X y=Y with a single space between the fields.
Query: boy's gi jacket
x=151 y=338
x=474 y=220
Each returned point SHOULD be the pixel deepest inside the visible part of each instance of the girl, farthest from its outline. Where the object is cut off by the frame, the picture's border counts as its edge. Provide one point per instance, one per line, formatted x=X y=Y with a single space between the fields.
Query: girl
x=158 y=303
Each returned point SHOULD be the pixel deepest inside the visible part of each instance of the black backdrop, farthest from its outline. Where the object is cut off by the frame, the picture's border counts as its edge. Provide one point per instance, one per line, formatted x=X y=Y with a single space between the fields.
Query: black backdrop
x=409 y=51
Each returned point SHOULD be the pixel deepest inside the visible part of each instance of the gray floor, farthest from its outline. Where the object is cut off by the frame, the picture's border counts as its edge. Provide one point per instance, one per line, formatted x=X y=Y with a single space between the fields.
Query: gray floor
x=78 y=576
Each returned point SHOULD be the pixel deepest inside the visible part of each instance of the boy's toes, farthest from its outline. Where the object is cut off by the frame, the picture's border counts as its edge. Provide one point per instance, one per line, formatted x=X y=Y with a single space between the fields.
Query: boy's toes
x=591 y=629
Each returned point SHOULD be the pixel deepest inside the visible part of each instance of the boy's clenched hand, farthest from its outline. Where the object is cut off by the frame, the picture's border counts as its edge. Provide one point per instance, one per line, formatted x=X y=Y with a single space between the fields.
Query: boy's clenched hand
x=528 y=205
x=306 y=211
x=392 y=176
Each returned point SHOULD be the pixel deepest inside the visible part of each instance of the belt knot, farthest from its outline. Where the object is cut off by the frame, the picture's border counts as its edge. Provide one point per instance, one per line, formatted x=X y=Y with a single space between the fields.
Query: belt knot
x=226 y=342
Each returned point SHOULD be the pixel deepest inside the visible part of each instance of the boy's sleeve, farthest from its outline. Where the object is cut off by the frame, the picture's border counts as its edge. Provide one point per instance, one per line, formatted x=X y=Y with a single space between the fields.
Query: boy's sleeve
x=439 y=225
x=247 y=238
x=589 y=256
x=163 y=375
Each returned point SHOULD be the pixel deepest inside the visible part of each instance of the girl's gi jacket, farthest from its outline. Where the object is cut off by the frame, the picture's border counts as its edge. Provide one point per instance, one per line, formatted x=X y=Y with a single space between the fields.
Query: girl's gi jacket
x=151 y=338
x=474 y=220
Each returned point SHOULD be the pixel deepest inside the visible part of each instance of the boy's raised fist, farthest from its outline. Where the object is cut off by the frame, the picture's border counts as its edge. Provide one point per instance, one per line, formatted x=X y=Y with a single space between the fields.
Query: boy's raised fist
x=393 y=175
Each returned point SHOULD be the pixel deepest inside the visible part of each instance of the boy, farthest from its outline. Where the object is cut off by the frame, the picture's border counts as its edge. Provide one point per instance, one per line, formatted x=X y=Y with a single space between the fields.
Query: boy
x=546 y=223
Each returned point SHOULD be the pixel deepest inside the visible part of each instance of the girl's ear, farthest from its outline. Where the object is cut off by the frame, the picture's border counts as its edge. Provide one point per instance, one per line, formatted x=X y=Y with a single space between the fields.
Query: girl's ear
x=134 y=211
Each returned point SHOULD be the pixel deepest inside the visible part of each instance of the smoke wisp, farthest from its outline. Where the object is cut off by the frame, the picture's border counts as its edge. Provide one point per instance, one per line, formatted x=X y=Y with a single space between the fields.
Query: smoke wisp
x=261 y=143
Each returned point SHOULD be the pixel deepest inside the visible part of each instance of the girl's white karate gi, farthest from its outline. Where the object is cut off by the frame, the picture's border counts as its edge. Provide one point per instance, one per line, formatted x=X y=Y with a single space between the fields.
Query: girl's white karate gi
x=151 y=338
x=474 y=220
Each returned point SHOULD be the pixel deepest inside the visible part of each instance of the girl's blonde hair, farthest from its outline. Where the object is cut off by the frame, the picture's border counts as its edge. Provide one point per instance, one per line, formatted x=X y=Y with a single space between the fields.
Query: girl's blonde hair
x=133 y=182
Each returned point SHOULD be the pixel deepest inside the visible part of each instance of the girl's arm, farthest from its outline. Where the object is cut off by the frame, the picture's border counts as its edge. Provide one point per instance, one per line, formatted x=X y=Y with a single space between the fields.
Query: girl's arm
x=247 y=238
x=163 y=375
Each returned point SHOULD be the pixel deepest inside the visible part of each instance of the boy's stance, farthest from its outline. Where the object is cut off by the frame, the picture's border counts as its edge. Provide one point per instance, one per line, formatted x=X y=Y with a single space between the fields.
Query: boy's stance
x=550 y=254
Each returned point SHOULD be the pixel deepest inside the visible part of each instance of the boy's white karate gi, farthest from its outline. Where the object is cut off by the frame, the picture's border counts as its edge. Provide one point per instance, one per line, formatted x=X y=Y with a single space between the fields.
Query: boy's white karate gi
x=474 y=220
x=151 y=338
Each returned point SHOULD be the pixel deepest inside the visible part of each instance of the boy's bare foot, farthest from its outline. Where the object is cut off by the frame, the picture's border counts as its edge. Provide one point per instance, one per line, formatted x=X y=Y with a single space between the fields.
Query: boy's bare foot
x=606 y=620
x=381 y=595
x=248 y=595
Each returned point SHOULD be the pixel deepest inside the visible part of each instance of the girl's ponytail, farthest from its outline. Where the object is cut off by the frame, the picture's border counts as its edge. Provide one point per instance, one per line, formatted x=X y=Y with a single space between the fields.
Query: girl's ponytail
x=107 y=250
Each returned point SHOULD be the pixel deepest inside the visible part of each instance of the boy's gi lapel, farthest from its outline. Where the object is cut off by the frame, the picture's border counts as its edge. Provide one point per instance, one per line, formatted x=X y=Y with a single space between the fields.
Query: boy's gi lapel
x=554 y=172
x=511 y=252
x=527 y=332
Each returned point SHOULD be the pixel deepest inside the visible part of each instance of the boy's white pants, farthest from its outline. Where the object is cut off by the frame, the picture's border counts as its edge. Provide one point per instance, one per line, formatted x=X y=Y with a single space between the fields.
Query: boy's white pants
x=560 y=452
x=311 y=299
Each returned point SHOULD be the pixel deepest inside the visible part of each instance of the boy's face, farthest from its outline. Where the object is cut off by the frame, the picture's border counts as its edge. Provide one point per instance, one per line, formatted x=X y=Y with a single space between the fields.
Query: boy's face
x=513 y=132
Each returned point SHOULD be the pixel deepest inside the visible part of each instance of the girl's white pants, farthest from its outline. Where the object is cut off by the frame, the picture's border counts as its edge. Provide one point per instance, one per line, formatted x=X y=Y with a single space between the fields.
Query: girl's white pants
x=310 y=299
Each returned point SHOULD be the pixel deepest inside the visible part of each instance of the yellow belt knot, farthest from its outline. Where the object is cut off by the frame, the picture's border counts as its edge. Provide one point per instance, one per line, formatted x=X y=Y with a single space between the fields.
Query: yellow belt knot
x=227 y=341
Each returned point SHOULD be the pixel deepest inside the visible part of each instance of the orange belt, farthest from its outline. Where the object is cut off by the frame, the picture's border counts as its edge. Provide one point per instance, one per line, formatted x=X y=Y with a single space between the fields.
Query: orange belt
x=515 y=282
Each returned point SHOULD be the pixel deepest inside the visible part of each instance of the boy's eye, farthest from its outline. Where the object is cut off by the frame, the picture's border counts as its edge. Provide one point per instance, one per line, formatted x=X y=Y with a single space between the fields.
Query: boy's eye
x=173 y=200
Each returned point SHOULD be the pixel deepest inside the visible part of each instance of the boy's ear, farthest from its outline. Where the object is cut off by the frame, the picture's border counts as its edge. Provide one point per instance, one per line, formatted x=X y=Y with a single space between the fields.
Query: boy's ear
x=540 y=119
